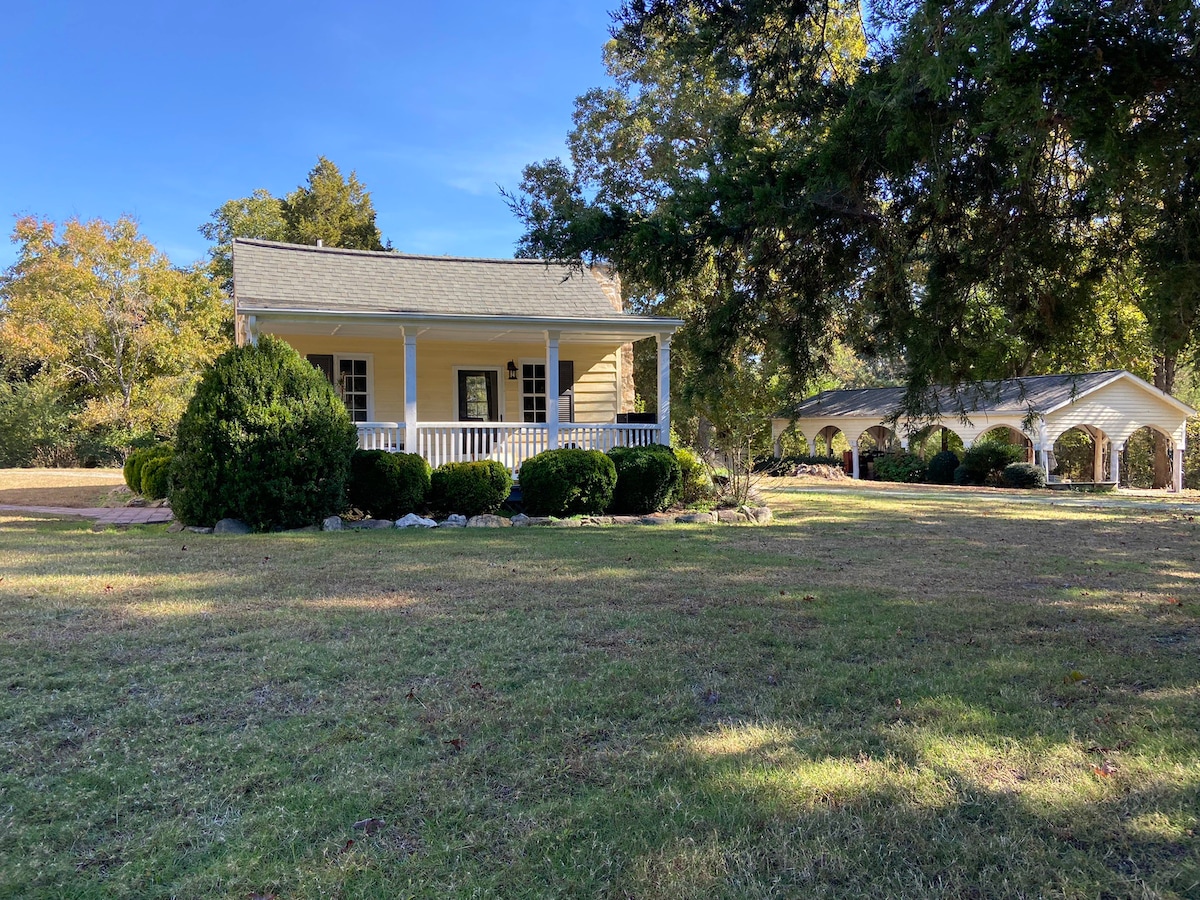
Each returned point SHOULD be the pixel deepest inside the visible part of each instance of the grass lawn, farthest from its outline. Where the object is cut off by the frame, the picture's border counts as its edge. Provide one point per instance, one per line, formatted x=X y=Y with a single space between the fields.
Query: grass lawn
x=77 y=488
x=873 y=697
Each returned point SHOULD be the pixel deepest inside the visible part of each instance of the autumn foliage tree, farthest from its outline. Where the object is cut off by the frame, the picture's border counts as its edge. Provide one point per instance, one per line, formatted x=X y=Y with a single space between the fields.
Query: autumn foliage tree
x=93 y=309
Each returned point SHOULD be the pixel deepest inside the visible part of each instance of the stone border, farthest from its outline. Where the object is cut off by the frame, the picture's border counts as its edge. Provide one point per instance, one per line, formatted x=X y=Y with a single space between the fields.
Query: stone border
x=743 y=515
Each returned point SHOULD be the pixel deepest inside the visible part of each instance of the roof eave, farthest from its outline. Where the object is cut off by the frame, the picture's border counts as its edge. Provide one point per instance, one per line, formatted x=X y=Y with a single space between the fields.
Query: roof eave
x=632 y=324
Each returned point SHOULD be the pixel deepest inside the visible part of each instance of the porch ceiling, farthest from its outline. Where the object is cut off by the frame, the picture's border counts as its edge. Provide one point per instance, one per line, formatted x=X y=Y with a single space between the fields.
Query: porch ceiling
x=483 y=329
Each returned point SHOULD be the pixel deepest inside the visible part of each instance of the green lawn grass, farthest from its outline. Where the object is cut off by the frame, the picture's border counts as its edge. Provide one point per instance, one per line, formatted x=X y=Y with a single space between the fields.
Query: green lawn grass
x=873 y=697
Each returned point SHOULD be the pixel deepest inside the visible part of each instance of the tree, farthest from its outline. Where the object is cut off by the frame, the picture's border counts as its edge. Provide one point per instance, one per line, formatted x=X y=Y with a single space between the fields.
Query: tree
x=258 y=216
x=961 y=194
x=330 y=208
x=105 y=317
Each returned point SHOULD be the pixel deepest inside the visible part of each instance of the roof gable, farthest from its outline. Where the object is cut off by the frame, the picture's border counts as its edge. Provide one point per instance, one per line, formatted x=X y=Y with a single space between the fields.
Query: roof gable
x=274 y=276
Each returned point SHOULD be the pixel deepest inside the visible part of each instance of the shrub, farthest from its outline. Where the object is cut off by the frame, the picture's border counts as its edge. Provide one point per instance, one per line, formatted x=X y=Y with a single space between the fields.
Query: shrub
x=903 y=467
x=648 y=478
x=695 y=485
x=155 y=477
x=567 y=482
x=469 y=488
x=941 y=467
x=986 y=460
x=264 y=439
x=962 y=476
x=388 y=485
x=134 y=463
x=1023 y=475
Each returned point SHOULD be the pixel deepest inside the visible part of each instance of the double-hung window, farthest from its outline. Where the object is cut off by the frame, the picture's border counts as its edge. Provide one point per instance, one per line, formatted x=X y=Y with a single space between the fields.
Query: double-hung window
x=350 y=375
x=533 y=391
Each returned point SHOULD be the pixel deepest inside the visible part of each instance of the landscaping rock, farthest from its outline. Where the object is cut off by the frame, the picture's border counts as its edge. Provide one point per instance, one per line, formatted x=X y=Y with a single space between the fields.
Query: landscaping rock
x=175 y=528
x=731 y=516
x=657 y=519
x=626 y=520
x=696 y=518
x=600 y=520
x=454 y=521
x=231 y=526
x=371 y=524
x=333 y=523
x=520 y=520
x=412 y=520
x=567 y=523
x=541 y=520
x=759 y=515
x=488 y=521
x=137 y=502
x=198 y=529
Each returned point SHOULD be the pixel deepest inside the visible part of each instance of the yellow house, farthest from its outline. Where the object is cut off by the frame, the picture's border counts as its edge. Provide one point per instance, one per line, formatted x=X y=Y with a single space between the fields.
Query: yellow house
x=455 y=358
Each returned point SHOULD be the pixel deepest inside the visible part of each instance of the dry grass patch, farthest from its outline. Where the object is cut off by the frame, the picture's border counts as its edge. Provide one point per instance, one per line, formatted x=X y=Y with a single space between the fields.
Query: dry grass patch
x=871 y=698
x=73 y=488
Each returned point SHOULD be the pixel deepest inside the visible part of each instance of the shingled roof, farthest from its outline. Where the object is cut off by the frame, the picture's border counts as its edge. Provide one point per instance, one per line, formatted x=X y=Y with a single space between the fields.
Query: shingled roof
x=274 y=276
x=1015 y=396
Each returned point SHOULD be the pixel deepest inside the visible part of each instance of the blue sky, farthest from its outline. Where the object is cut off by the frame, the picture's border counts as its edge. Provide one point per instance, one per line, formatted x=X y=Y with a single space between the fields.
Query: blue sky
x=165 y=110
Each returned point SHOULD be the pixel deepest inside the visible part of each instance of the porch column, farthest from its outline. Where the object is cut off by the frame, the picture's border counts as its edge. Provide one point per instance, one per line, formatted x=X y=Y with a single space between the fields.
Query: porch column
x=664 y=389
x=904 y=443
x=1114 y=463
x=552 y=389
x=854 y=456
x=1177 y=475
x=1097 y=458
x=1043 y=450
x=410 y=391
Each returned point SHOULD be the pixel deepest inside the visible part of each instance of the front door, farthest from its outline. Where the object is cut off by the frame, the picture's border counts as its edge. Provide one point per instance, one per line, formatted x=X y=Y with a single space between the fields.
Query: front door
x=478 y=395
x=478 y=401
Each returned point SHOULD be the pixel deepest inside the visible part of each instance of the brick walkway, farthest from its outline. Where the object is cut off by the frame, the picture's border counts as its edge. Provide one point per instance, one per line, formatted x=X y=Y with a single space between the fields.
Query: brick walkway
x=121 y=515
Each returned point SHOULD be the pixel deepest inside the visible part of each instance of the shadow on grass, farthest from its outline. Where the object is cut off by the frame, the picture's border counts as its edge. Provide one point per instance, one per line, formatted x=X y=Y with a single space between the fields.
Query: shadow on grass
x=866 y=699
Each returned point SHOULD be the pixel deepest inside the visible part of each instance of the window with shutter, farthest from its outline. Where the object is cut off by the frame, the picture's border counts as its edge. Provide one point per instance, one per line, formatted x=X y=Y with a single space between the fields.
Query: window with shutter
x=533 y=391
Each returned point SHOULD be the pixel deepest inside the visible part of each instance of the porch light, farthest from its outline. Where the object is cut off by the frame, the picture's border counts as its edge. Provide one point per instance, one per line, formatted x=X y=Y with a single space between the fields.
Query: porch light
x=512 y=371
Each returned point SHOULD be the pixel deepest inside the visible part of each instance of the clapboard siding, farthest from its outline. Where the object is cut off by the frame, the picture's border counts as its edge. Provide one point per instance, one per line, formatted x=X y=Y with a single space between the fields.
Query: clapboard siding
x=1118 y=409
x=437 y=361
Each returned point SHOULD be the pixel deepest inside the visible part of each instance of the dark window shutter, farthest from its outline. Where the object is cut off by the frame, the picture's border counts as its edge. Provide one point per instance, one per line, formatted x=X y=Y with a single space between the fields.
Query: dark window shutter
x=324 y=362
x=566 y=390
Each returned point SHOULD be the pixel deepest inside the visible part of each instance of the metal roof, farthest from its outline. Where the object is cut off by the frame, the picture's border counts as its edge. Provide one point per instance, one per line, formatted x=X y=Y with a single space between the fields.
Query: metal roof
x=274 y=276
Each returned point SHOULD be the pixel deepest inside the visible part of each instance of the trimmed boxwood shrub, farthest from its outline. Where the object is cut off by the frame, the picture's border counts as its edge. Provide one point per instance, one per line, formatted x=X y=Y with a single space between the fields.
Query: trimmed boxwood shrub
x=388 y=485
x=962 y=476
x=986 y=460
x=903 y=467
x=132 y=470
x=648 y=479
x=264 y=439
x=469 y=488
x=156 y=477
x=567 y=482
x=941 y=467
x=1023 y=475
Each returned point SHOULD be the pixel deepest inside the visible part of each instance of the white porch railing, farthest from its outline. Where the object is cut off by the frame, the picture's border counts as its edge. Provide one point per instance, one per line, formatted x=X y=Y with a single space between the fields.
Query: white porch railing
x=509 y=442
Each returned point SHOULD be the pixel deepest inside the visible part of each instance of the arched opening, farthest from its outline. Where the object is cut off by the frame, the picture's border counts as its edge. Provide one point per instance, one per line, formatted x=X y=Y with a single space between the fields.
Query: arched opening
x=1006 y=434
x=1137 y=459
x=933 y=439
x=873 y=443
x=1081 y=455
x=830 y=442
x=792 y=442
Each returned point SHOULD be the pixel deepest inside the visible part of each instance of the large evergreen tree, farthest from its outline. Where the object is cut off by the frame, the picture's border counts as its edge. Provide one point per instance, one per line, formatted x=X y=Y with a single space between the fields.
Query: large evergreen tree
x=971 y=186
x=329 y=208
